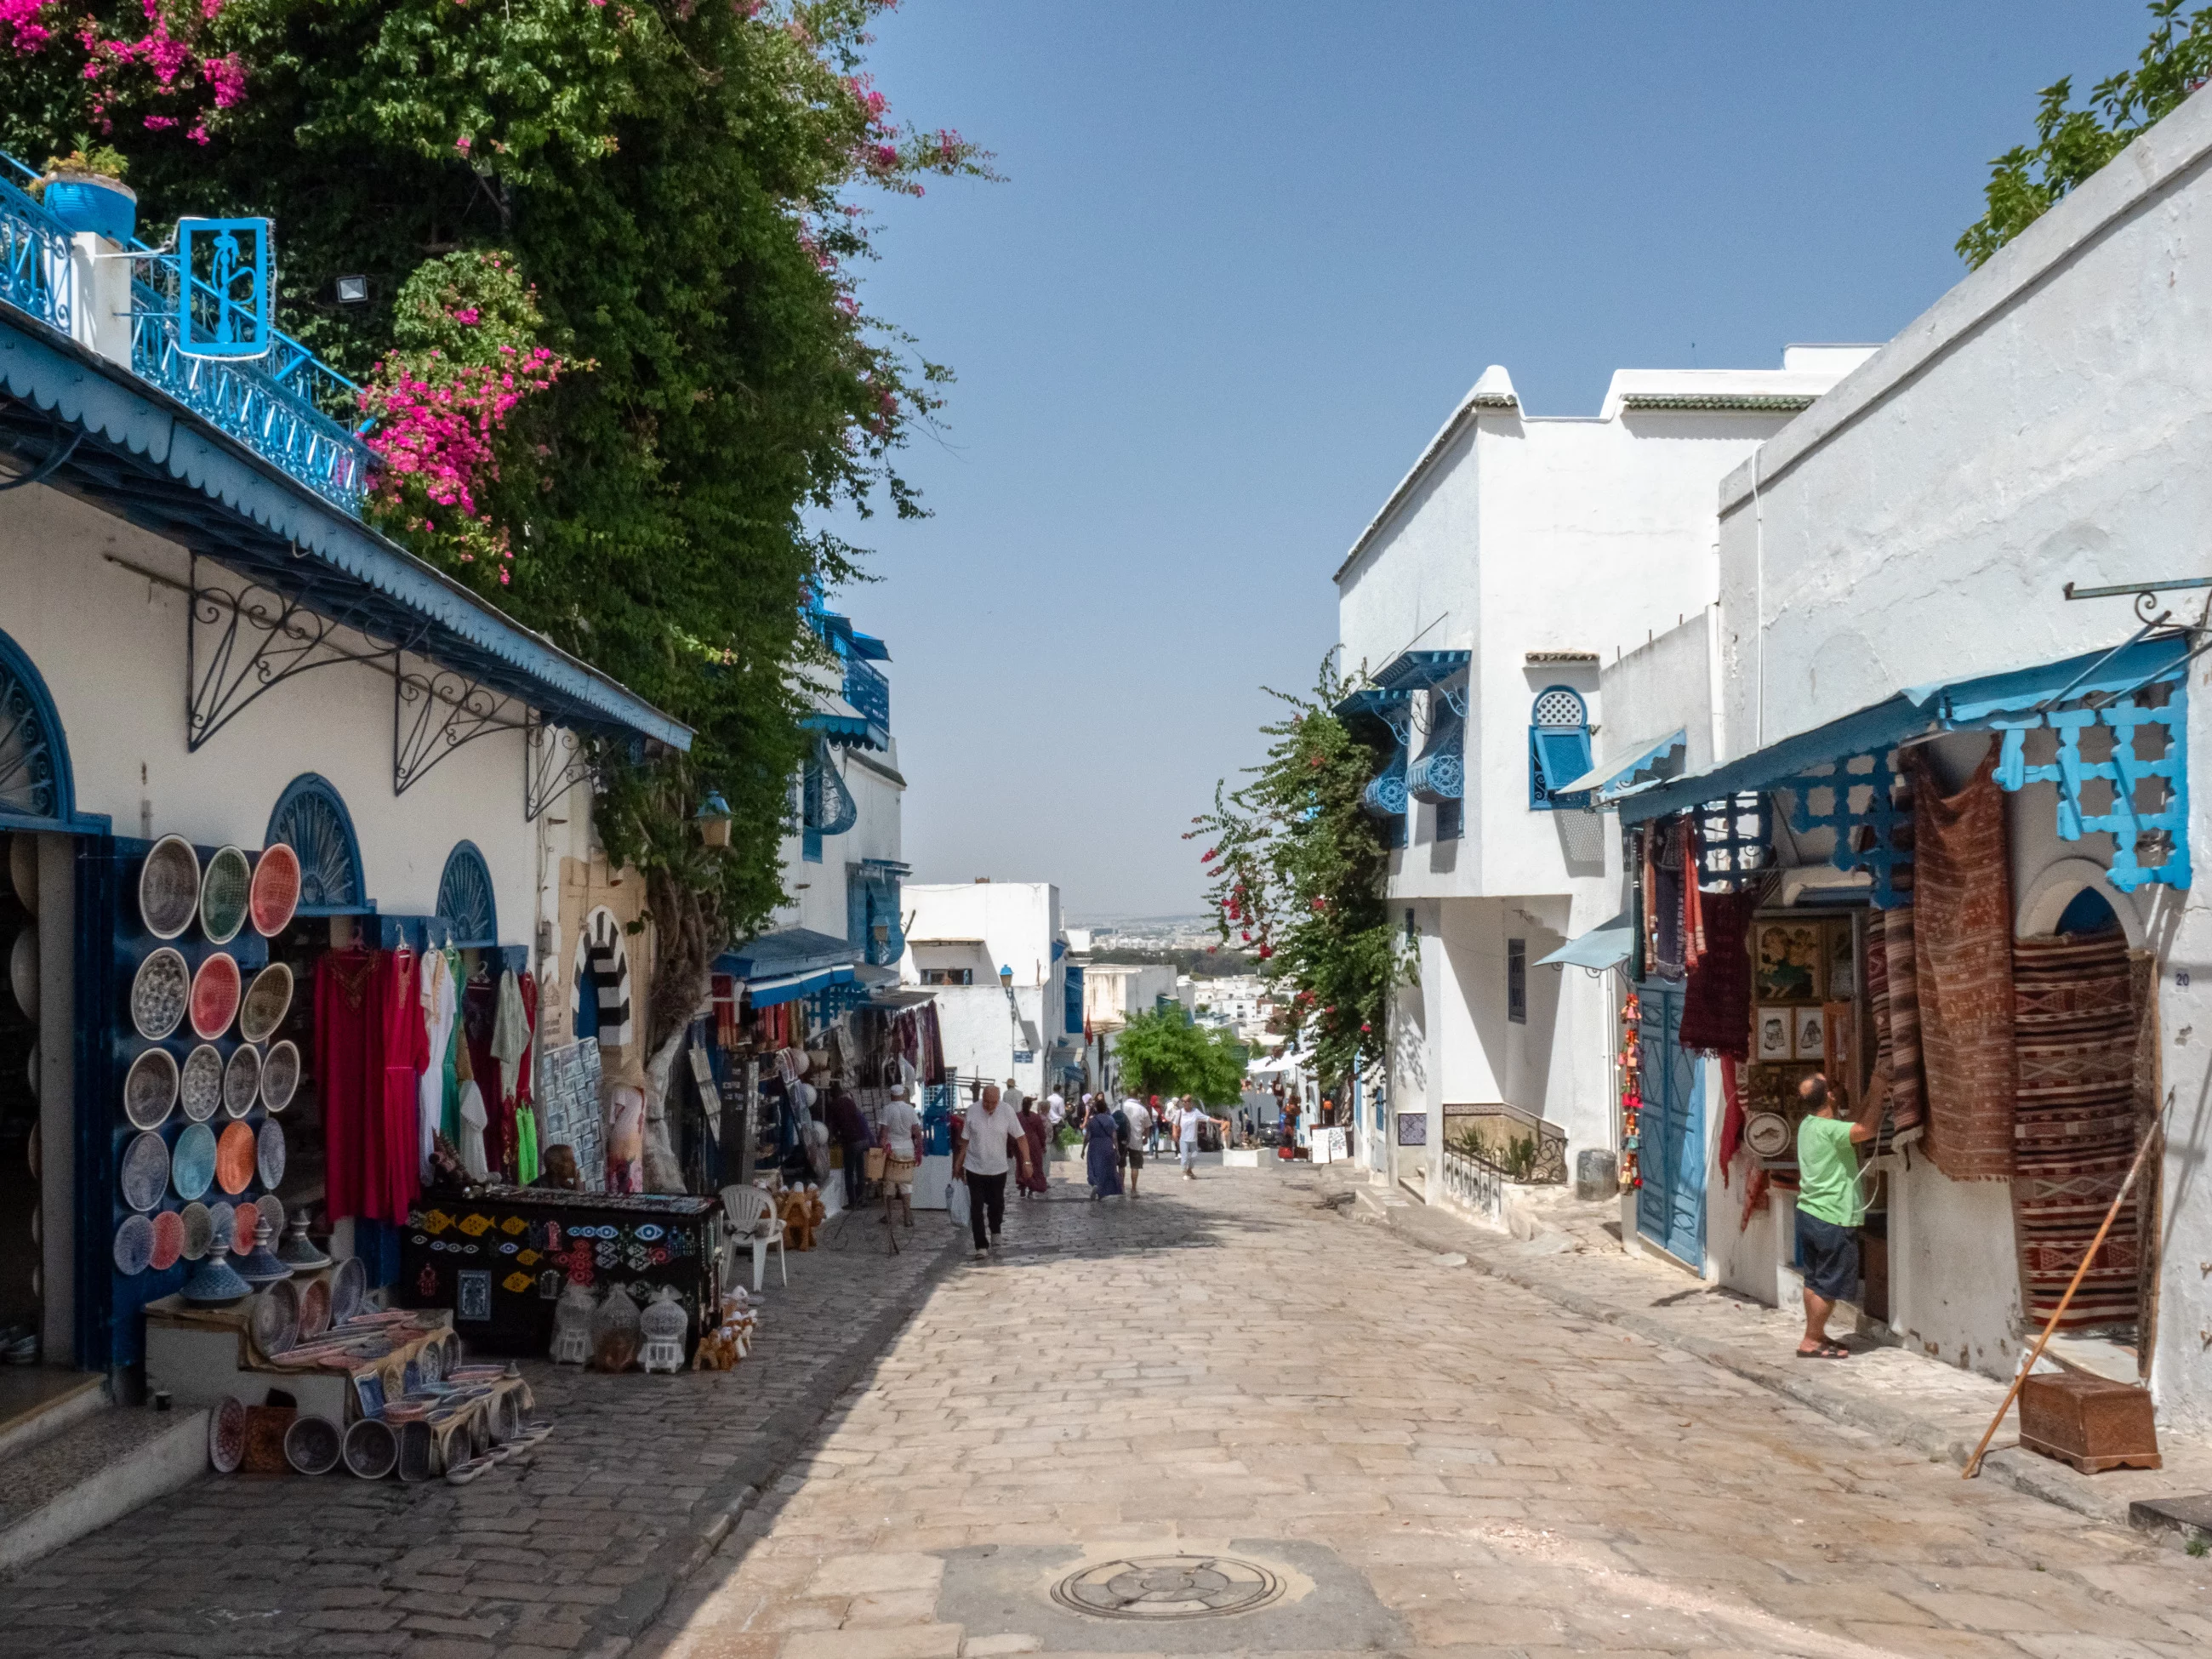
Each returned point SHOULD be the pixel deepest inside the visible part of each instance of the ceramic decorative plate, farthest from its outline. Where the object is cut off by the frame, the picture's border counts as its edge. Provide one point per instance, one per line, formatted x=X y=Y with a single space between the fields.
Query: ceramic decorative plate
x=371 y=1448
x=280 y=1075
x=314 y=1309
x=145 y=1171
x=270 y=1158
x=199 y=1230
x=273 y=1317
x=193 y=1165
x=134 y=1245
x=241 y=1080
x=222 y=1219
x=214 y=995
x=226 y=1436
x=311 y=1445
x=150 y=1089
x=169 y=887
x=276 y=890
x=272 y=1212
x=203 y=1083
x=23 y=971
x=159 y=992
x=1767 y=1133
x=234 y=1158
x=168 y=1240
x=268 y=1000
x=222 y=894
x=348 y=1285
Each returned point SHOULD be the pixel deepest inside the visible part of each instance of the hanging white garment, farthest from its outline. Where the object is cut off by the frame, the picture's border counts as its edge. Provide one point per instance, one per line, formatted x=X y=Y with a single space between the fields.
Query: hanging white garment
x=473 y=1119
x=510 y=1036
x=440 y=1005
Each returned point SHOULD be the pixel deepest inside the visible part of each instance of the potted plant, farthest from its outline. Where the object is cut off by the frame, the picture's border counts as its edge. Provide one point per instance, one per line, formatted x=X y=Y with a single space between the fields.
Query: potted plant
x=84 y=190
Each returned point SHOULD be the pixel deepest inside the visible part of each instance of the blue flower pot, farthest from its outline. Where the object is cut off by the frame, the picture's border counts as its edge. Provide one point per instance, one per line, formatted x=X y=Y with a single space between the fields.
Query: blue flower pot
x=83 y=202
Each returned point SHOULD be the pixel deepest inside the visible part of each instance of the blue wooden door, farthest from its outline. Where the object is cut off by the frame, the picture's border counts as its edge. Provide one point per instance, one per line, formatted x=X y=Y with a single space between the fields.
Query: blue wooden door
x=1670 y=1205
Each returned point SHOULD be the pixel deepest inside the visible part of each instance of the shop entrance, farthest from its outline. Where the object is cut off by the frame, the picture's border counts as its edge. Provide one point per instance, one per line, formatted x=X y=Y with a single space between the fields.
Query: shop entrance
x=1670 y=1205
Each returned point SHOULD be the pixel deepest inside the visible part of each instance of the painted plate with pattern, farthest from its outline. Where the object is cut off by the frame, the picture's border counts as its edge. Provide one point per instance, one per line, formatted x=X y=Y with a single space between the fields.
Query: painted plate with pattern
x=203 y=1083
x=217 y=987
x=275 y=894
x=234 y=1158
x=199 y=1230
x=145 y=1172
x=193 y=1168
x=1767 y=1133
x=168 y=1240
x=150 y=1089
x=134 y=1245
x=270 y=1158
x=348 y=1285
x=241 y=1080
x=268 y=1000
x=223 y=1219
x=158 y=991
x=226 y=1436
x=280 y=1075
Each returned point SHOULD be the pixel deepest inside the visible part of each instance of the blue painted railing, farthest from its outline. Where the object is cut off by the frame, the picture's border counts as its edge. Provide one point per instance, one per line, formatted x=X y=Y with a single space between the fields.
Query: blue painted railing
x=868 y=691
x=290 y=407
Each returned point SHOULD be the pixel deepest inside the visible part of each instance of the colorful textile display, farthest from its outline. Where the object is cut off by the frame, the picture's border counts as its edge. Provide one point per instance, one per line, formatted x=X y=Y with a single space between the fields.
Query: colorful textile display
x=1908 y=1100
x=344 y=1069
x=1716 y=1001
x=2074 y=1020
x=1962 y=943
x=439 y=1009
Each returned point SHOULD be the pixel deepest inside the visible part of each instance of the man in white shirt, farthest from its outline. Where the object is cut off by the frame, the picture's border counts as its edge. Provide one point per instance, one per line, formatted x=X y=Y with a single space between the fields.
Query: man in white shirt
x=992 y=1145
x=899 y=1133
x=1139 y=1119
x=1186 y=1122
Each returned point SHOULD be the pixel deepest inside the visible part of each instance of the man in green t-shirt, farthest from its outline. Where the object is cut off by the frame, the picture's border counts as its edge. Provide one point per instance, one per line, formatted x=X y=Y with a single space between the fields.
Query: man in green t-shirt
x=1829 y=1210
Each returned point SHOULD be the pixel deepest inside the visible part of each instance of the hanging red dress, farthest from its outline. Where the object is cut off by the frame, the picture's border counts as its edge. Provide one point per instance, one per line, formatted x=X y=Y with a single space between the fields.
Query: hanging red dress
x=343 y=1052
x=393 y=1173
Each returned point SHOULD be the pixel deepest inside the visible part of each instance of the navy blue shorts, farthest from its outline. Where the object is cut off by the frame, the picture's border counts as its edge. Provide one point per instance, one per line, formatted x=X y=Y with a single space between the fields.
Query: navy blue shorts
x=1828 y=1255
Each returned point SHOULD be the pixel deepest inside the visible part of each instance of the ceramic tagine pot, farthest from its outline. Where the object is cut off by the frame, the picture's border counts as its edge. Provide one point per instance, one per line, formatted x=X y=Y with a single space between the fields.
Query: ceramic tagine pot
x=260 y=1266
x=214 y=1282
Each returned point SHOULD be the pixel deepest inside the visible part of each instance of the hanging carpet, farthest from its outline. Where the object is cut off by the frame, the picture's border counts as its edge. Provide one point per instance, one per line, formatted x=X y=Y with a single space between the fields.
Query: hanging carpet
x=1962 y=948
x=1716 y=1001
x=2074 y=1130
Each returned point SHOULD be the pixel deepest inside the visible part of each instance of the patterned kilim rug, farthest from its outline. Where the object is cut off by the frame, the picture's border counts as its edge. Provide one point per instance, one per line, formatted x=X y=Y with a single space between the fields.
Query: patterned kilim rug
x=2074 y=1126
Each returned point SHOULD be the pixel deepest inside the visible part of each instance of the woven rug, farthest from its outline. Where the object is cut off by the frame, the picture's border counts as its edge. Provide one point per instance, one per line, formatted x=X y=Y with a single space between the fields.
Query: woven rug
x=2074 y=1130
x=1962 y=947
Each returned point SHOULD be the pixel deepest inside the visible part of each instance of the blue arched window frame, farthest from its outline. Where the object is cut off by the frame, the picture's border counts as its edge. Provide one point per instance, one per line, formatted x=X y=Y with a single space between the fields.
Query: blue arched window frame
x=1559 y=748
x=310 y=817
x=466 y=899
x=26 y=706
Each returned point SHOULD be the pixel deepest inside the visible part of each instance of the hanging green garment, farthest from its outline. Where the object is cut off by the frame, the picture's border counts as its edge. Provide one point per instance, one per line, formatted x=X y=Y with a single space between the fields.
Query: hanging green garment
x=526 y=1144
x=452 y=1112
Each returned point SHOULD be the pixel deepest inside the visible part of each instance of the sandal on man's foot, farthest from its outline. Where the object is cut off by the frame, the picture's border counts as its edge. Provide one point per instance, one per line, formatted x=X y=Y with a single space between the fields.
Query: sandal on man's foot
x=1826 y=1350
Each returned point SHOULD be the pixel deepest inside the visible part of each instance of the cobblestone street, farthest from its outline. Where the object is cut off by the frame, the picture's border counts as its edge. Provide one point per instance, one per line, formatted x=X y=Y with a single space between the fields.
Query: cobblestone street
x=1425 y=1458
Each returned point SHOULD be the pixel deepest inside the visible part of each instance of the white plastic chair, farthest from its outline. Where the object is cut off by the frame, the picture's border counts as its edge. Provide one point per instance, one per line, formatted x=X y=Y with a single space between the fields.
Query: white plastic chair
x=753 y=1220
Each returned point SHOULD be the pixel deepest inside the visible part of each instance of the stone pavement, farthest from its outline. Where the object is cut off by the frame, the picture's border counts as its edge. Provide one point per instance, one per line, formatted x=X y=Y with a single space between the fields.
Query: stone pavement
x=570 y=1548
x=1574 y=1260
x=1364 y=1448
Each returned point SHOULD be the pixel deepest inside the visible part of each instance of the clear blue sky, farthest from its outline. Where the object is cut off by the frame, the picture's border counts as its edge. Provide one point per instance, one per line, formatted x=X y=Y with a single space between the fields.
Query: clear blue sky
x=1248 y=257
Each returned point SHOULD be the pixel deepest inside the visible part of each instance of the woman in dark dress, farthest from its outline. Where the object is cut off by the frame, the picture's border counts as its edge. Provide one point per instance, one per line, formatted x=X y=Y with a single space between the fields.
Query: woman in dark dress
x=1033 y=1178
x=1102 y=1151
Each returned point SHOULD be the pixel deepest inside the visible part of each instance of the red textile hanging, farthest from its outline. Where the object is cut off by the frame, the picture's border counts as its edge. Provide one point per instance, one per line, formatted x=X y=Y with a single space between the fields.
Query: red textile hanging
x=1694 y=913
x=392 y=1166
x=1731 y=1117
x=1717 y=1000
x=343 y=1050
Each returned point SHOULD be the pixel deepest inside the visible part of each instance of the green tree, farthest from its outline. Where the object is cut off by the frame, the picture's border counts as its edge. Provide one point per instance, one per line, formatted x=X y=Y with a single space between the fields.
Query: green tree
x=1295 y=870
x=1161 y=1052
x=2071 y=144
x=659 y=194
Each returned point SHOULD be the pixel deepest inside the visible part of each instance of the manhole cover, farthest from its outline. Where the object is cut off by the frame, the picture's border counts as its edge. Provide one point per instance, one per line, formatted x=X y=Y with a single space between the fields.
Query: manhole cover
x=1169 y=1586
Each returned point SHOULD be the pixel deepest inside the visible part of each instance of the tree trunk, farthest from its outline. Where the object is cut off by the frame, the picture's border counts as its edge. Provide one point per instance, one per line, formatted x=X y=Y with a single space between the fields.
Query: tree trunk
x=683 y=950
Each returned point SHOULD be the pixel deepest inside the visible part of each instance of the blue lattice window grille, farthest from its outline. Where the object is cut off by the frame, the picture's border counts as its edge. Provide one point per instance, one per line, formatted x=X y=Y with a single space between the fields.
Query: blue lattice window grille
x=222 y=292
x=1559 y=750
x=465 y=897
x=34 y=770
x=1856 y=797
x=1735 y=841
x=2120 y=769
x=872 y=924
x=1071 y=1008
x=312 y=821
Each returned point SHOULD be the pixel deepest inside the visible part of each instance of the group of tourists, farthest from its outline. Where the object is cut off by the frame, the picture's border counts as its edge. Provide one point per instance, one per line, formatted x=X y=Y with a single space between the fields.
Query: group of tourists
x=1115 y=1139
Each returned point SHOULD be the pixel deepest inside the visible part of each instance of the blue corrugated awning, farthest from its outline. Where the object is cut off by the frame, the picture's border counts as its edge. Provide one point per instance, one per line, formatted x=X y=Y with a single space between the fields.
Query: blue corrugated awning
x=1635 y=771
x=868 y=646
x=1603 y=947
x=789 y=987
x=148 y=459
x=1418 y=671
x=790 y=954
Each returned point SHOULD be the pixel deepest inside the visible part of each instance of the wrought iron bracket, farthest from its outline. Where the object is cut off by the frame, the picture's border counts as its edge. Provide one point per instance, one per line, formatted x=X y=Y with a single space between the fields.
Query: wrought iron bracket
x=243 y=639
x=2145 y=595
x=435 y=711
x=555 y=761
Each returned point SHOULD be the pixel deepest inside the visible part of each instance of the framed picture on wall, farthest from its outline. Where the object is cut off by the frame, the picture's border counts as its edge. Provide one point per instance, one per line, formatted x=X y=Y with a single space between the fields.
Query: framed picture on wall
x=1843 y=969
x=1788 y=961
x=1774 y=1034
x=1413 y=1128
x=1810 y=1040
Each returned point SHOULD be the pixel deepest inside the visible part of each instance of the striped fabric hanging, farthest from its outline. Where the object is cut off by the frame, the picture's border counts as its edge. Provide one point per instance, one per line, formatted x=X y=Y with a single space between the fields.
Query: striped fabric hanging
x=600 y=954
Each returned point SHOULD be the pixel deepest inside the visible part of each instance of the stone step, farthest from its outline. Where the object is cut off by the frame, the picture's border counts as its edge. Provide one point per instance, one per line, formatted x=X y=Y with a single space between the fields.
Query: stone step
x=37 y=1403
x=93 y=1471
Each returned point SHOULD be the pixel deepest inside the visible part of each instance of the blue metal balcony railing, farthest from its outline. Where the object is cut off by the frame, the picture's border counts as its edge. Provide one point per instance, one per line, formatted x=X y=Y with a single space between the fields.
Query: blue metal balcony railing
x=288 y=407
x=868 y=691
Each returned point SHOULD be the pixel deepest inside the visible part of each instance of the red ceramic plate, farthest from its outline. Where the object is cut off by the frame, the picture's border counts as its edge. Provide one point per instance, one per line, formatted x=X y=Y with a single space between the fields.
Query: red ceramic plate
x=275 y=894
x=234 y=1156
x=168 y=1240
x=216 y=989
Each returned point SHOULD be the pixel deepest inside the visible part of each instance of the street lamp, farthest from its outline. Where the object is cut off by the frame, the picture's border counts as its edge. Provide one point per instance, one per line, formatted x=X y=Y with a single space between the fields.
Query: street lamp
x=713 y=818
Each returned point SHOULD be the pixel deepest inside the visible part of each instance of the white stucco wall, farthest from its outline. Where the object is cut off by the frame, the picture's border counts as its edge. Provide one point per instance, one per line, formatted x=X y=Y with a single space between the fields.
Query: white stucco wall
x=2046 y=421
x=817 y=892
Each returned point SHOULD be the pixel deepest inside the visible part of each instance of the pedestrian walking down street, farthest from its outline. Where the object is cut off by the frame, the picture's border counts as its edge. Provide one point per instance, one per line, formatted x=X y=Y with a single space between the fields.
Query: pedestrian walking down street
x=1156 y=1122
x=901 y=1136
x=1187 y=1124
x=1035 y=1178
x=1138 y=1122
x=994 y=1143
x=1102 y=1134
x=1829 y=1210
x=849 y=1126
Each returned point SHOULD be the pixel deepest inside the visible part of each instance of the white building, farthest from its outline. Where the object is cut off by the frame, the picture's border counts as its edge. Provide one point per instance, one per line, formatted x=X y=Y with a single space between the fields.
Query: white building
x=1009 y=1000
x=1519 y=553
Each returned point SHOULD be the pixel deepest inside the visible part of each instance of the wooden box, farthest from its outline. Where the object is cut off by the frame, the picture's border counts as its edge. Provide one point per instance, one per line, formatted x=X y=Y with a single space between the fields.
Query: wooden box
x=2091 y=1422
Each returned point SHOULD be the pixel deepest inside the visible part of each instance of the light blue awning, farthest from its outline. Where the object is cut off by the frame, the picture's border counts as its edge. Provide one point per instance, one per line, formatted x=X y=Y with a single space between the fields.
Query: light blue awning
x=1644 y=766
x=1599 y=949
x=767 y=993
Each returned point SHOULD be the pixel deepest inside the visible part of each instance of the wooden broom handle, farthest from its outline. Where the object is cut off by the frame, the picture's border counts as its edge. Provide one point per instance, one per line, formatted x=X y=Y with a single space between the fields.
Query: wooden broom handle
x=2150 y=1139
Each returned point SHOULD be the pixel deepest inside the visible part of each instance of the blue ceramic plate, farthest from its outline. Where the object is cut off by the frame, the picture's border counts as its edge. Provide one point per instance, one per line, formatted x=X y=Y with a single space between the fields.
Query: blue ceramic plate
x=145 y=1172
x=192 y=1166
x=270 y=1155
x=134 y=1245
x=223 y=1219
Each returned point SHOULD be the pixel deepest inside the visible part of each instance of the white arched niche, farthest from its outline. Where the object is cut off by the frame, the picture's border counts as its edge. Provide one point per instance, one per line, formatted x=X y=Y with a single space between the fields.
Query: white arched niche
x=2054 y=887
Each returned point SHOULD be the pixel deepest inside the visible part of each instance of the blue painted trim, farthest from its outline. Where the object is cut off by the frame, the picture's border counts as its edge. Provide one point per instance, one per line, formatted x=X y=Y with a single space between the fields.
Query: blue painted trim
x=466 y=866
x=98 y=1090
x=16 y=663
x=314 y=784
x=1420 y=671
x=307 y=537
